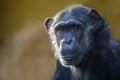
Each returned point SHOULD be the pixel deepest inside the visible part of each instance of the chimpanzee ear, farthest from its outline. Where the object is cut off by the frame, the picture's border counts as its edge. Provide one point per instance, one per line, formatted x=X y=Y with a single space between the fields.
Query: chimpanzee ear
x=94 y=15
x=48 y=21
x=97 y=20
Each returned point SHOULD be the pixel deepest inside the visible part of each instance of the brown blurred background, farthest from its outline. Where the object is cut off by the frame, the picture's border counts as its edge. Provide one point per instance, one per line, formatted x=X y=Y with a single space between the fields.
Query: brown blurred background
x=25 y=52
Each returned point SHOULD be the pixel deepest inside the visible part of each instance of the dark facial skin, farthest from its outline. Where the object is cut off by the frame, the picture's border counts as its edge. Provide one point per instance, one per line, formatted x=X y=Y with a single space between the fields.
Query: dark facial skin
x=70 y=33
x=68 y=41
x=83 y=45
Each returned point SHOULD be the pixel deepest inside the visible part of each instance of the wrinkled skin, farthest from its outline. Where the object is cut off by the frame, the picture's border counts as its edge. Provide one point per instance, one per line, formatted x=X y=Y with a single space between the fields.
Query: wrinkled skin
x=83 y=45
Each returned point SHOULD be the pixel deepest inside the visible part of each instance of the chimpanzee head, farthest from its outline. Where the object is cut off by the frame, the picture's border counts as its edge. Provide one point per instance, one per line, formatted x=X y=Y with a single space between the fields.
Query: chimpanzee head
x=72 y=32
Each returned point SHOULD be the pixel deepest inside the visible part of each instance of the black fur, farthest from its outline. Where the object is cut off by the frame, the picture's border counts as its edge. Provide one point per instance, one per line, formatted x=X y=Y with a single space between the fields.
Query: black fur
x=83 y=45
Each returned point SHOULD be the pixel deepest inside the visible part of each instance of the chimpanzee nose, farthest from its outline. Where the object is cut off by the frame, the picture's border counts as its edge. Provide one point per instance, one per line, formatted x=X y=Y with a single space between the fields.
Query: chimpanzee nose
x=68 y=42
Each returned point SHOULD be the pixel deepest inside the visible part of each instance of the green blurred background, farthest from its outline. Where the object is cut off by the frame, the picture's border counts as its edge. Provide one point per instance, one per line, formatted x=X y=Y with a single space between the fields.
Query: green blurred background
x=25 y=52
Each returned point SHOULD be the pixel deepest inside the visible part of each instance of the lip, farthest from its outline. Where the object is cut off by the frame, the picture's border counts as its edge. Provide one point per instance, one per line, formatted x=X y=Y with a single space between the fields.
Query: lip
x=69 y=58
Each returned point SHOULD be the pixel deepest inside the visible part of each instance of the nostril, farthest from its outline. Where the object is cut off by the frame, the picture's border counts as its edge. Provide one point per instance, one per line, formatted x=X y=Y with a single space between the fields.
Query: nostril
x=68 y=42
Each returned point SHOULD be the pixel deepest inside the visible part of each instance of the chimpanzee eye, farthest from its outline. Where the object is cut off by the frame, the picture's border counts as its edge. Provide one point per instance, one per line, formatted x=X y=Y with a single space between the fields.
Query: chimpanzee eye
x=59 y=29
x=75 y=27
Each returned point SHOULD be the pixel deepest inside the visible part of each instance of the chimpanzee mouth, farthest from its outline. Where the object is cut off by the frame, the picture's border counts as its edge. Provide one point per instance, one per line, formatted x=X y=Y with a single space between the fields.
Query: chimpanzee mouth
x=70 y=60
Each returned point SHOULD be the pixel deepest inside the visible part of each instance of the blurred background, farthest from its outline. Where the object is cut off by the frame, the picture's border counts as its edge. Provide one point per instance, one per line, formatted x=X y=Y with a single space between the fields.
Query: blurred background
x=25 y=51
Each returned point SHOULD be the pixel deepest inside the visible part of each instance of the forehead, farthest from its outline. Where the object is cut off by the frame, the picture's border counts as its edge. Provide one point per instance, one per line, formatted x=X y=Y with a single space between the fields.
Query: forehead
x=78 y=13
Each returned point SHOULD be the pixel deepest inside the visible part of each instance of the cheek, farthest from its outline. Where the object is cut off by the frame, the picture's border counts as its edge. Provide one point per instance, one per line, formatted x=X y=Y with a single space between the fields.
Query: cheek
x=58 y=39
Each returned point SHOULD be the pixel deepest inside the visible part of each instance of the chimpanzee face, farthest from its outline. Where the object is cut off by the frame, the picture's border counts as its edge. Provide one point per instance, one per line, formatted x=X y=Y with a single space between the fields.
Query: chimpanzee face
x=68 y=36
x=70 y=33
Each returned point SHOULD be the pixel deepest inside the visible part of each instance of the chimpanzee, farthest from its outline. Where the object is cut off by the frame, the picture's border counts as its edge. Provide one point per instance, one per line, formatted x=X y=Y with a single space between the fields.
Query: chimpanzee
x=83 y=45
